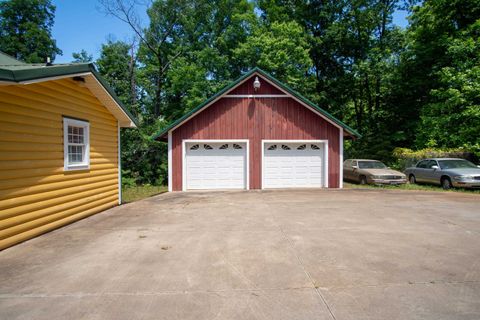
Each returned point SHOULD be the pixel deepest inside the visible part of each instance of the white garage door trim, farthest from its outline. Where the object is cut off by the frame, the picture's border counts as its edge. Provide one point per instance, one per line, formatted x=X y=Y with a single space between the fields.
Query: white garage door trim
x=184 y=157
x=325 y=153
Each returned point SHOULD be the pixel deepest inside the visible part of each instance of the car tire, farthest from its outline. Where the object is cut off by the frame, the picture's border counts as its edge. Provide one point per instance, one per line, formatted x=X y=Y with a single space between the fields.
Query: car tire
x=446 y=183
x=412 y=179
x=363 y=180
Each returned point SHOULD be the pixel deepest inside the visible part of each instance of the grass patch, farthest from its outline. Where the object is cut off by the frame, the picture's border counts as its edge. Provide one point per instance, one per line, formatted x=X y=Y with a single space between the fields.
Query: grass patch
x=408 y=186
x=130 y=194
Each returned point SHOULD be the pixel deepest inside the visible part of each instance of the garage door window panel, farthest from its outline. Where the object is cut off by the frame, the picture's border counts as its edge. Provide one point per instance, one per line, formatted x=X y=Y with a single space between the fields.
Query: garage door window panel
x=215 y=166
x=293 y=165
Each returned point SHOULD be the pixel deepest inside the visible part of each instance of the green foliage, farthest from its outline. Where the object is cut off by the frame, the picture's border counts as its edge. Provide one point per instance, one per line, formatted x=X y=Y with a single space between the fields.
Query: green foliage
x=401 y=88
x=405 y=157
x=453 y=115
x=409 y=186
x=281 y=49
x=143 y=159
x=82 y=56
x=25 y=30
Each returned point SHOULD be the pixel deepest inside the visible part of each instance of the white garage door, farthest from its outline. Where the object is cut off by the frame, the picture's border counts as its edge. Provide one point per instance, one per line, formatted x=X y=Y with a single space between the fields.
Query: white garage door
x=215 y=165
x=293 y=165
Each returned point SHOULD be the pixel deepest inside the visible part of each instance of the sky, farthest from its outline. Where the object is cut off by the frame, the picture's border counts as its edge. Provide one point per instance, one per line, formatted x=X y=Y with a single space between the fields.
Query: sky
x=81 y=25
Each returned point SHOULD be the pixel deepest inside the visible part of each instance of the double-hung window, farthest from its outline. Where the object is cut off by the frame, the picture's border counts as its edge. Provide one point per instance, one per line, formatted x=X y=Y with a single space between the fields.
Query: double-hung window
x=76 y=144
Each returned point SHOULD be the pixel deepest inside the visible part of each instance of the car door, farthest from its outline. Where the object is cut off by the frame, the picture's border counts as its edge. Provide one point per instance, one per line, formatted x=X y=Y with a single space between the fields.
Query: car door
x=354 y=175
x=429 y=171
x=420 y=171
x=347 y=170
x=433 y=174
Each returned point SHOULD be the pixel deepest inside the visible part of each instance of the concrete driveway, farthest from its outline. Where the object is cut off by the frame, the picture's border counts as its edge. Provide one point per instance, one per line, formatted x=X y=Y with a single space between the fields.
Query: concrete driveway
x=345 y=254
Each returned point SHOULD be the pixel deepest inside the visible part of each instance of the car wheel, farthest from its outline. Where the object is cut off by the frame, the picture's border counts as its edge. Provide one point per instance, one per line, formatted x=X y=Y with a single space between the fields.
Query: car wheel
x=412 y=179
x=446 y=183
x=363 y=180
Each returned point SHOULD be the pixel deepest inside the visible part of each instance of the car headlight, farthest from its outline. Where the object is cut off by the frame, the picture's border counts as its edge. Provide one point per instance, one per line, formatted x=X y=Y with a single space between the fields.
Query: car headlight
x=463 y=178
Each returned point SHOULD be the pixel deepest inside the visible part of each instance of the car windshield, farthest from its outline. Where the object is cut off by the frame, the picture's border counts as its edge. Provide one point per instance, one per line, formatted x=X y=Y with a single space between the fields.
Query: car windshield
x=455 y=164
x=371 y=165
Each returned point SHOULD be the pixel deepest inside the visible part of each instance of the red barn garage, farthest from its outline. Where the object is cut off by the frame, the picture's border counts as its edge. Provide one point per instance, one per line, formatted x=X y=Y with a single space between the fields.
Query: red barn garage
x=257 y=133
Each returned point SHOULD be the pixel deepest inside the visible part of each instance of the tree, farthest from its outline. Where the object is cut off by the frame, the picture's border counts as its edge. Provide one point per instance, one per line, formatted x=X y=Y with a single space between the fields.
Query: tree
x=354 y=50
x=450 y=109
x=281 y=49
x=25 y=30
x=82 y=56
x=144 y=160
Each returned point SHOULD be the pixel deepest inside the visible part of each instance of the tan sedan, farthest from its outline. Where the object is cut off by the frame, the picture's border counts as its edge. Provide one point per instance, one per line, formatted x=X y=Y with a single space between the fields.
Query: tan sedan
x=365 y=171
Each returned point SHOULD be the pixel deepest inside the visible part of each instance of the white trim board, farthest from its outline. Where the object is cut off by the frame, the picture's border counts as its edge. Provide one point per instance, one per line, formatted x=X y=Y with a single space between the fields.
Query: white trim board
x=170 y=169
x=85 y=165
x=287 y=95
x=340 y=155
x=256 y=96
x=306 y=105
x=119 y=141
x=247 y=156
x=325 y=153
x=110 y=103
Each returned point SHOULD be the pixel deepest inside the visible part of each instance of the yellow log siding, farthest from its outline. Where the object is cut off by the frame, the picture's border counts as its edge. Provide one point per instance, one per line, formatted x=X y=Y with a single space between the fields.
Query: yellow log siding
x=36 y=194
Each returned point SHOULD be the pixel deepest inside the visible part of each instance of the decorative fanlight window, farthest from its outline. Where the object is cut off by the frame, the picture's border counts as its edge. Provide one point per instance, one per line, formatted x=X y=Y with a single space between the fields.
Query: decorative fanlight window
x=194 y=147
x=302 y=147
x=223 y=146
x=207 y=147
x=237 y=146
x=284 y=147
x=315 y=147
x=272 y=147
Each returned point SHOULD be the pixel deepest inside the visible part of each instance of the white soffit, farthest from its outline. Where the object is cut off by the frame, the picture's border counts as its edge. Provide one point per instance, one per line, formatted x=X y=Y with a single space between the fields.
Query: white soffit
x=107 y=100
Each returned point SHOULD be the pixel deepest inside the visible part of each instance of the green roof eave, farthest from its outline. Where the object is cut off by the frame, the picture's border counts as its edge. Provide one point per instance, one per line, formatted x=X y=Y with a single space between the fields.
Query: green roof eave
x=294 y=93
x=21 y=73
x=25 y=73
x=113 y=95
x=309 y=103
x=203 y=104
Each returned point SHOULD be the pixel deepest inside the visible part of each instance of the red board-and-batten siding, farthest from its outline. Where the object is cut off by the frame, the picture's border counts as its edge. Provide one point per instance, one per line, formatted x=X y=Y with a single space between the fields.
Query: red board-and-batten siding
x=257 y=119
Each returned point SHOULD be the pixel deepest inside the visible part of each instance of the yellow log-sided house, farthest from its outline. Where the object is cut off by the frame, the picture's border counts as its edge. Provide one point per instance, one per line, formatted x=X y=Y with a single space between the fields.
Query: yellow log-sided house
x=59 y=146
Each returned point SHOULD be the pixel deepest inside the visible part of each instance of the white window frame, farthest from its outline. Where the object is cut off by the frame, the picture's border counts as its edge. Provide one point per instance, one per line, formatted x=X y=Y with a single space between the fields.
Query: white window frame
x=325 y=160
x=86 y=130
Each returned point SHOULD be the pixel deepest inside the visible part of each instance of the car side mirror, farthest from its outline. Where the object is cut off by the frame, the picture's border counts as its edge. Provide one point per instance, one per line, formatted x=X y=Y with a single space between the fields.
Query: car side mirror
x=355 y=167
x=434 y=167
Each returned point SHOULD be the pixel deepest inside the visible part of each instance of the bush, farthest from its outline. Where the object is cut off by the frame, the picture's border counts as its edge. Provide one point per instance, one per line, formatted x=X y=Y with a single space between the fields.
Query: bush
x=406 y=157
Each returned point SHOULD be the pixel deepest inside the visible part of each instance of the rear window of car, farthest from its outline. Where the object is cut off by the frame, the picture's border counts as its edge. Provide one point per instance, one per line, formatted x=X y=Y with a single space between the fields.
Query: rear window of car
x=371 y=165
x=454 y=164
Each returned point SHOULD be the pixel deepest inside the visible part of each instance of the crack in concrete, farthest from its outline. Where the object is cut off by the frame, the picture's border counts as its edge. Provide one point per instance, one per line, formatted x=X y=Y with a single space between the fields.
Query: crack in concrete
x=319 y=294
x=300 y=262
x=400 y=284
x=176 y=292
x=153 y=293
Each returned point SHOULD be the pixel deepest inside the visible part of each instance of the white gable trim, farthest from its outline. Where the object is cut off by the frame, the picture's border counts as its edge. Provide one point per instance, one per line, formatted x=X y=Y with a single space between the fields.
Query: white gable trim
x=256 y=96
x=305 y=105
x=286 y=95
x=97 y=89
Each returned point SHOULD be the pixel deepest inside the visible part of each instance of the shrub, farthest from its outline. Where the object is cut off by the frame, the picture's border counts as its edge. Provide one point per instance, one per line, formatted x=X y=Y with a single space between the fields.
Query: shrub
x=407 y=157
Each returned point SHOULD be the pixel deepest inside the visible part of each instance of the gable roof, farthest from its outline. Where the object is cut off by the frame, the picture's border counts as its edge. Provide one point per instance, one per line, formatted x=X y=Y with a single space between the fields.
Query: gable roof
x=161 y=135
x=13 y=71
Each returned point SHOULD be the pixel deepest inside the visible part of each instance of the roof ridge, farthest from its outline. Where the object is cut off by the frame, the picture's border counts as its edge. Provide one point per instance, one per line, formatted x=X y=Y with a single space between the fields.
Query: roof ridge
x=236 y=82
x=6 y=55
